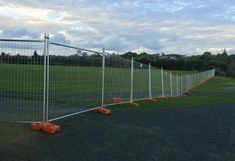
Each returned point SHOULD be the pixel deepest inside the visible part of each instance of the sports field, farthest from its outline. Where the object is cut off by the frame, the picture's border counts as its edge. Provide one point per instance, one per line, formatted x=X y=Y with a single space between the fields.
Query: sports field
x=196 y=127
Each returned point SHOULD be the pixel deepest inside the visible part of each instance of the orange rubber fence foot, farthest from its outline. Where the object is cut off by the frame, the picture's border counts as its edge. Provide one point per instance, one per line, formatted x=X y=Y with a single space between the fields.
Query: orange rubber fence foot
x=116 y=100
x=46 y=127
x=151 y=100
x=36 y=126
x=134 y=104
x=102 y=111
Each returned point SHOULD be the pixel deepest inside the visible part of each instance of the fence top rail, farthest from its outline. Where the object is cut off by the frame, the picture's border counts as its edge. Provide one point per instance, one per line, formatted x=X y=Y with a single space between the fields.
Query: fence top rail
x=77 y=48
x=20 y=40
x=72 y=47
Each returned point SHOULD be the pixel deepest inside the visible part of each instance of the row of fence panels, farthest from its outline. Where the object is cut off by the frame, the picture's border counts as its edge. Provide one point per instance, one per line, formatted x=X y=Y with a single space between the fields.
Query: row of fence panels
x=44 y=81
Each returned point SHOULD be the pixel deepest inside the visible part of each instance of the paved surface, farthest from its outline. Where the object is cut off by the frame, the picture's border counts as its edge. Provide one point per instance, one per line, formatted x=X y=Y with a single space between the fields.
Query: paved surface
x=203 y=133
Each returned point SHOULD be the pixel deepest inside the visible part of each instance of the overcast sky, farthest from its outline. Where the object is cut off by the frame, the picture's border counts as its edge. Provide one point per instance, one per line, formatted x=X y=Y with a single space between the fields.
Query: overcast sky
x=170 y=26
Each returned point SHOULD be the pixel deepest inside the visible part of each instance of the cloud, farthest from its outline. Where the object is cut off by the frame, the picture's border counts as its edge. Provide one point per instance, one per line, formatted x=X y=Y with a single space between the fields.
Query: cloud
x=19 y=33
x=112 y=42
x=231 y=51
x=162 y=25
x=59 y=38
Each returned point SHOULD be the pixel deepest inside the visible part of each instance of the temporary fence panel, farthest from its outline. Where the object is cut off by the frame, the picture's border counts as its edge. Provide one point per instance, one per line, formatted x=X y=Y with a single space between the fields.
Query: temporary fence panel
x=140 y=81
x=175 y=84
x=167 y=83
x=181 y=83
x=156 y=83
x=184 y=83
x=117 y=84
x=21 y=80
x=75 y=80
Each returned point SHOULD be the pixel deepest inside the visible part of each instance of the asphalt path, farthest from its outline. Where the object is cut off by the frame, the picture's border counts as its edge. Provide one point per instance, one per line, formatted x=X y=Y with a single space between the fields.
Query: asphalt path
x=200 y=133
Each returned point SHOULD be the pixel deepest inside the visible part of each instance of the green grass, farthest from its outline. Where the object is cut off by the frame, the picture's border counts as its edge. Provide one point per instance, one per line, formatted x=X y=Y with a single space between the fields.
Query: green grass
x=212 y=92
x=24 y=81
x=218 y=84
x=22 y=78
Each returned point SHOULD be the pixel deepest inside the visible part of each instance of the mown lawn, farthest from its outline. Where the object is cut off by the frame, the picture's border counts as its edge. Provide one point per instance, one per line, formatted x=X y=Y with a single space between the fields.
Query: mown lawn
x=214 y=91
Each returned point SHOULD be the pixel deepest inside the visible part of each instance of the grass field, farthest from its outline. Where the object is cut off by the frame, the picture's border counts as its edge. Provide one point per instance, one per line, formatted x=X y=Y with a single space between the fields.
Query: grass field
x=215 y=91
x=19 y=78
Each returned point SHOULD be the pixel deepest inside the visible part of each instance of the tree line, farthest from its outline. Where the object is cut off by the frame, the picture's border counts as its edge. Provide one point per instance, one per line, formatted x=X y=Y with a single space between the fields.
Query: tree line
x=223 y=63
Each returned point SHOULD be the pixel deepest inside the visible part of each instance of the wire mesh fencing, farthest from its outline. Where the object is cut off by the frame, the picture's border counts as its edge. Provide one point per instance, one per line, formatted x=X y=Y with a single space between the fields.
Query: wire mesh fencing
x=140 y=81
x=167 y=85
x=75 y=80
x=21 y=80
x=117 y=80
x=42 y=81
x=156 y=82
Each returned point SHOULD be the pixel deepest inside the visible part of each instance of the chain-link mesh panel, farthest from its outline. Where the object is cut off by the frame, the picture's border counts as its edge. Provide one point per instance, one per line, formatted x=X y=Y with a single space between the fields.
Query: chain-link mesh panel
x=21 y=80
x=75 y=80
x=117 y=78
x=140 y=81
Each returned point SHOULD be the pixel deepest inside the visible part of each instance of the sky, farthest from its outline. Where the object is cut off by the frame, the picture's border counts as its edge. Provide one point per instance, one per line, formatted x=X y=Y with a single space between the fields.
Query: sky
x=170 y=26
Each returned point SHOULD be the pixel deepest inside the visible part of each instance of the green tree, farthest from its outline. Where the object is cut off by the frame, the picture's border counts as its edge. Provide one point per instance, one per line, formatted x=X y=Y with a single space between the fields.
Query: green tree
x=225 y=54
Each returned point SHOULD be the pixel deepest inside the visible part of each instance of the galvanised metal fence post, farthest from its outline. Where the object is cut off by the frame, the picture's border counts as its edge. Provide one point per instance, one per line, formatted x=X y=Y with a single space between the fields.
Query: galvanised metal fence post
x=103 y=76
x=177 y=84
x=171 y=84
x=44 y=78
x=162 y=77
x=45 y=110
x=132 y=74
x=181 y=85
x=150 y=82
x=48 y=76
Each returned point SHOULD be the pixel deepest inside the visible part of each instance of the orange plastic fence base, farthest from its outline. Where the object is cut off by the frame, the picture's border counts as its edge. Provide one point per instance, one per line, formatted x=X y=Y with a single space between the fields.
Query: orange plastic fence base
x=151 y=100
x=116 y=100
x=102 y=111
x=134 y=104
x=46 y=127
